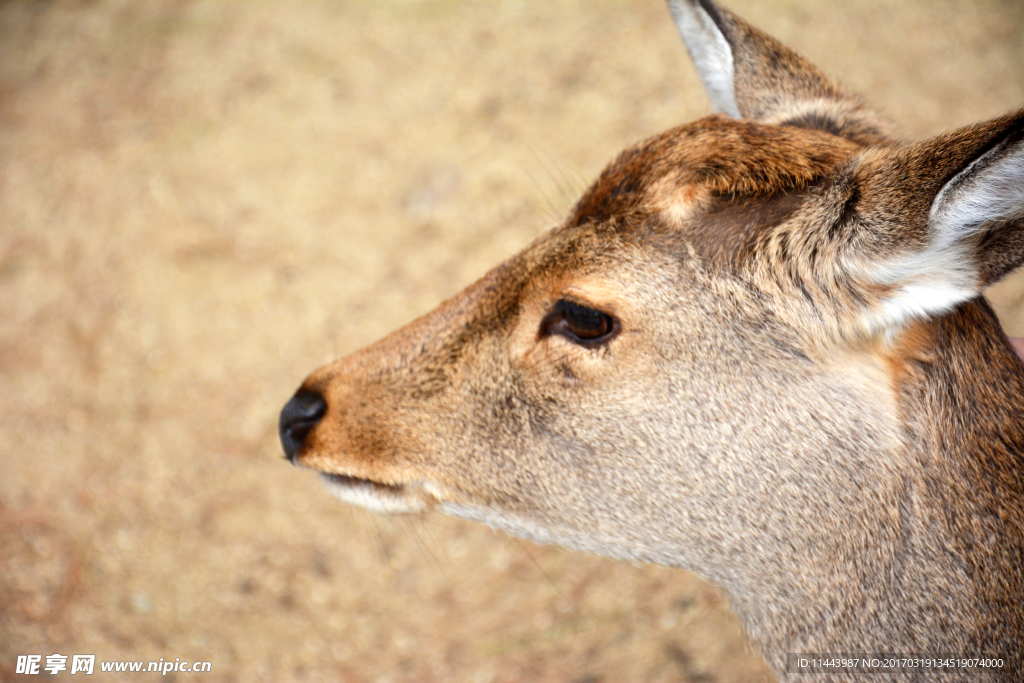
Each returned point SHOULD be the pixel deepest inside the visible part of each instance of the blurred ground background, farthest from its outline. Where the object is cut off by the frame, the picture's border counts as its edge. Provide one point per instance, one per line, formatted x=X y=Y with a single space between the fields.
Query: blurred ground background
x=201 y=201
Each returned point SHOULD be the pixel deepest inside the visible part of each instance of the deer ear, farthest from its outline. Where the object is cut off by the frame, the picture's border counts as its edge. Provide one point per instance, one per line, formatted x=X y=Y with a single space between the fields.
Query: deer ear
x=945 y=216
x=748 y=74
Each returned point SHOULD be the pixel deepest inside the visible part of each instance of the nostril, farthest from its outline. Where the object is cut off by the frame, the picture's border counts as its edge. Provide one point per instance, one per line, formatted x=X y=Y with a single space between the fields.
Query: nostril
x=298 y=417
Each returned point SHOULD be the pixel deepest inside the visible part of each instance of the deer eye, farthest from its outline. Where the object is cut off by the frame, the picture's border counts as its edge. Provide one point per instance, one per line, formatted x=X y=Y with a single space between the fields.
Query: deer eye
x=584 y=326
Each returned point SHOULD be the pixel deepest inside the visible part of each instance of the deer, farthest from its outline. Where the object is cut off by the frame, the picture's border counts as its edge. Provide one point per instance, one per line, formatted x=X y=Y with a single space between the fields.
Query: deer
x=756 y=348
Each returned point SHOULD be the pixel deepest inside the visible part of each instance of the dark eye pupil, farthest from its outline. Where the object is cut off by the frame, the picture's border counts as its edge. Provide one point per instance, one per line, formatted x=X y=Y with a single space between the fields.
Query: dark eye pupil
x=586 y=323
x=579 y=324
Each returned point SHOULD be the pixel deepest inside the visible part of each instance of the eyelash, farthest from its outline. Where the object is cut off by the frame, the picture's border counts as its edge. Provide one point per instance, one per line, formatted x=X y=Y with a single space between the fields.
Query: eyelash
x=584 y=326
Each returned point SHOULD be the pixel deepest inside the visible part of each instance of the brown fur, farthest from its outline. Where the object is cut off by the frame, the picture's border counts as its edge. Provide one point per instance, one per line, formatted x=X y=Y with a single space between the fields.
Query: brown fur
x=774 y=84
x=854 y=481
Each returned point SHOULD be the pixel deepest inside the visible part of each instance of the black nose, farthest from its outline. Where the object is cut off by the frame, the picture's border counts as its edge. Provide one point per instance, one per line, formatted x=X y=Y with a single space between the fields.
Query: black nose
x=298 y=418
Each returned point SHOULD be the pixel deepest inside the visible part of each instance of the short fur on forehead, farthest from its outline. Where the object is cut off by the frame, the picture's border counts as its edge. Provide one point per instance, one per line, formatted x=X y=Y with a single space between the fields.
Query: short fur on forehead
x=719 y=155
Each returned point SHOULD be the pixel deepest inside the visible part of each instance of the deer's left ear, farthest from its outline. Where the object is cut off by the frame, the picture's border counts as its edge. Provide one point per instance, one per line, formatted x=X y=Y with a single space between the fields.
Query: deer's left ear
x=940 y=220
x=748 y=74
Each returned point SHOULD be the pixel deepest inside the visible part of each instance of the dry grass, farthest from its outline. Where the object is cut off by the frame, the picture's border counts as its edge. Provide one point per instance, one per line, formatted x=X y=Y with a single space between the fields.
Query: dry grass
x=202 y=201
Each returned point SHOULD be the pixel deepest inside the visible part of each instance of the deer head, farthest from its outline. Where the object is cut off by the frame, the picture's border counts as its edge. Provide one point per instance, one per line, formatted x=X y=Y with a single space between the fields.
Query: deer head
x=752 y=349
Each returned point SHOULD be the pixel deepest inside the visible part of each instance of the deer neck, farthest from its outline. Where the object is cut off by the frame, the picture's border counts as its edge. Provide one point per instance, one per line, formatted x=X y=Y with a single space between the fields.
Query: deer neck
x=964 y=408
x=942 y=569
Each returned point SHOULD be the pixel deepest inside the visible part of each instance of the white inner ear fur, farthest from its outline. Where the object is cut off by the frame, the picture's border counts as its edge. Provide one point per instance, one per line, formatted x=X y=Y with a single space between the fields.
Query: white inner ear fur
x=945 y=273
x=710 y=52
x=990 y=189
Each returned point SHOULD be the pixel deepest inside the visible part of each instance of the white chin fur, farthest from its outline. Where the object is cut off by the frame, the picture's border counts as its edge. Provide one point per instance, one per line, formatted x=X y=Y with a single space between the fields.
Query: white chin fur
x=388 y=500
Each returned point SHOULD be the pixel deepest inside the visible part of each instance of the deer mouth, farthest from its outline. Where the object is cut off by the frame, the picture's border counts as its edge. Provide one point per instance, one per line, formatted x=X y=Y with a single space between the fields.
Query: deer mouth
x=374 y=496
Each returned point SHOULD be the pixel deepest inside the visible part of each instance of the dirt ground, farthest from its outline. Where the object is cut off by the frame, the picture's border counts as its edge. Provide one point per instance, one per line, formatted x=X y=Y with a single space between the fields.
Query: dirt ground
x=202 y=201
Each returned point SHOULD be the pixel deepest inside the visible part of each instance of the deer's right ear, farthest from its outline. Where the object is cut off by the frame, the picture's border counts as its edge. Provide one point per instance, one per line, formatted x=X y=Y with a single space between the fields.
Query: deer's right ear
x=748 y=74
x=939 y=220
